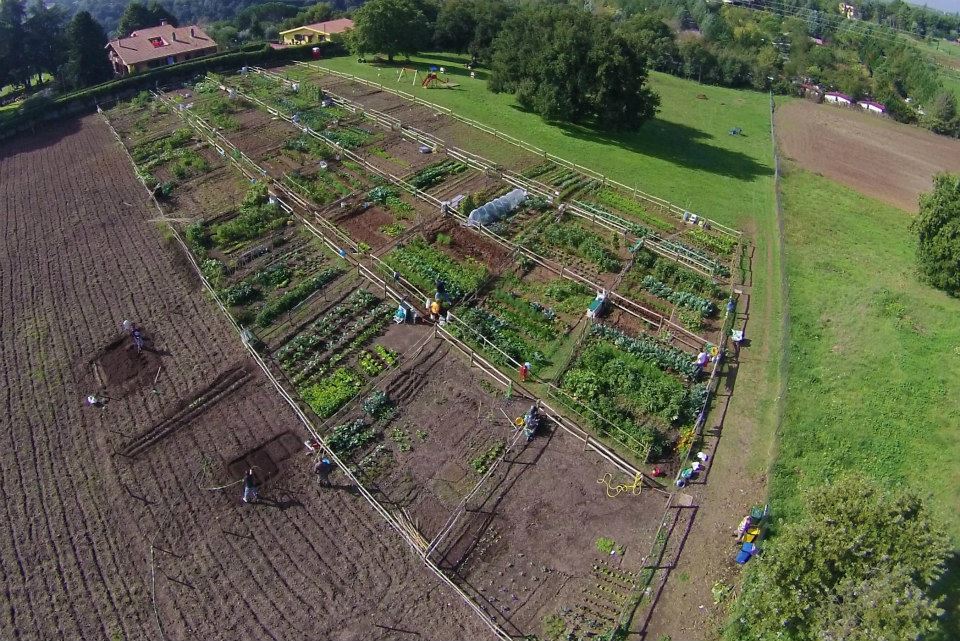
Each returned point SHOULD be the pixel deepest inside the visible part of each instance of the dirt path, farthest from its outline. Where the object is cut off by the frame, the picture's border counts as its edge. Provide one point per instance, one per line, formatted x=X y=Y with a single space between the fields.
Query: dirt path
x=874 y=155
x=99 y=546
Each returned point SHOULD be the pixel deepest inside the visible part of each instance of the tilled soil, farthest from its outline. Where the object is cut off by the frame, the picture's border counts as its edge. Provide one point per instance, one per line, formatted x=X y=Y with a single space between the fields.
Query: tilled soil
x=876 y=156
x=526 y=545
x=101 y=546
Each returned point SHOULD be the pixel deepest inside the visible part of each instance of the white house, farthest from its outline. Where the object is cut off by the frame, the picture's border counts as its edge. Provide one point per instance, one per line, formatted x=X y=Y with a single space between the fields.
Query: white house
x=837 y=98
x=871 y=106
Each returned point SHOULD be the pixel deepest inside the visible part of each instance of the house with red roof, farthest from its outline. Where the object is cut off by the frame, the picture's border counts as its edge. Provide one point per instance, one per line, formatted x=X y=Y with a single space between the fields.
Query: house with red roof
x=157 y=47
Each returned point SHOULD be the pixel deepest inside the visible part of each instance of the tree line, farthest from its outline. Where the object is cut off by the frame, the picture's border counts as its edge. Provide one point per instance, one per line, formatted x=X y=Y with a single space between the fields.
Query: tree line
x=38 y=40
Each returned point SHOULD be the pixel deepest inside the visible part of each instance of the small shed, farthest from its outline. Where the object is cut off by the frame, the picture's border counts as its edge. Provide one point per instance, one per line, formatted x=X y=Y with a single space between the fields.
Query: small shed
x=316 y=32
x=837 y=98
x=872 y=107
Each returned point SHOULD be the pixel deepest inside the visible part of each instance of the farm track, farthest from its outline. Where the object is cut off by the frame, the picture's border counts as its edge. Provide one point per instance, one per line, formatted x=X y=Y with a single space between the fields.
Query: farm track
x=85 y=531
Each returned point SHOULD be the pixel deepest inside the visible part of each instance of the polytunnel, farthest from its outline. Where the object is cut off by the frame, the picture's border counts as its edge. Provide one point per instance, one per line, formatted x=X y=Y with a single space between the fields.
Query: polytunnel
x=497 y=209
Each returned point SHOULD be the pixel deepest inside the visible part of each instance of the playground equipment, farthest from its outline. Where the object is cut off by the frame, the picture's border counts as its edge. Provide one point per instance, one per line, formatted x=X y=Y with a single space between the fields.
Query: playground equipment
x=496 y=209
x=613 y=491
x=434 y=81
x=405 y=71
x=750 y=531
x=595 y=310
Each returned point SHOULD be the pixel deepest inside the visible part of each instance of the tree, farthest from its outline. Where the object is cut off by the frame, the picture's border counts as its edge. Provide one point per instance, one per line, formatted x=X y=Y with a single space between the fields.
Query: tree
x=45 y=37
x=651 y=37
x=14 y=64
x=490 y=15
x=455 y=25
x=943 y=117
x=604 y=82
x=938 y=234
x=137 y=16
x=858 y=566
x=320 y=12
x=390 y=27
x=87 y=62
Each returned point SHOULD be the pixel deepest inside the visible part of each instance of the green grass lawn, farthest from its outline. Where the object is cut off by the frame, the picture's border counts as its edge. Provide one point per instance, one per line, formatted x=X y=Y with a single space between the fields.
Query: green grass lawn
x=686 y=155
x=874 y=355
x=874 y=358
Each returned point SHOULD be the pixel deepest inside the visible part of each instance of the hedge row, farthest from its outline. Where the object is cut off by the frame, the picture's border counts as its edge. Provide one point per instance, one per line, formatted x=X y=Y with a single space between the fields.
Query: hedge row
x=40 y=109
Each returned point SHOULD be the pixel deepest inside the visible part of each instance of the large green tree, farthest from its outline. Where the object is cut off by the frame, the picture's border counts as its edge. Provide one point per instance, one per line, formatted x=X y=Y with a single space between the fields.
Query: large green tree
x=859 y=567
x=568 y=65
x=87 y=63
x=14 y=64
x=45 y=37
x=140 y=16
x=470 y=25
x=389 y=26
x=938 y=234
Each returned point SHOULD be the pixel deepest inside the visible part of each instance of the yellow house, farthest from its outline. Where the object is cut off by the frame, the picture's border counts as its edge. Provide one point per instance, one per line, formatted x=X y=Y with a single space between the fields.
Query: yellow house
x=316 y=32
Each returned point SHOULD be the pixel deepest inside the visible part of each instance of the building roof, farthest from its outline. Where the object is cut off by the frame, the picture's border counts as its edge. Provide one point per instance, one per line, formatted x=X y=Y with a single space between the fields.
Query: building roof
x=872 y=103
x=159 y=42
x=329 y=27
x=839 y=95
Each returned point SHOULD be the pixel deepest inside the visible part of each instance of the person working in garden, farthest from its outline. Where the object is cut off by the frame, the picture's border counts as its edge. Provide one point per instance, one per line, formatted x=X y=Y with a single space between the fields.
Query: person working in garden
x=524 y=372
x=435 y=310
x=250 y=487
x=702 y=359
x=322 y=469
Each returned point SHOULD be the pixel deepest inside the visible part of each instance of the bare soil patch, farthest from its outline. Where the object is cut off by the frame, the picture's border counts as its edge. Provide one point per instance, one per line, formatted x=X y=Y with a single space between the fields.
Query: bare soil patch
x=120 y=367
x=876 y=156
x=99 y=547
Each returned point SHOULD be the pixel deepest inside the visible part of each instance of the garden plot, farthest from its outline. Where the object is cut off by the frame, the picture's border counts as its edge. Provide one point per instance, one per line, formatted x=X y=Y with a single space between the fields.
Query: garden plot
x=687 y=298
x=396 y=155
x=350 y=342
x=264 y=268
x=534 y=546
x=590 y=250
x=640 y=391
x=464 y=261
x=531 y=316
x=526 y=548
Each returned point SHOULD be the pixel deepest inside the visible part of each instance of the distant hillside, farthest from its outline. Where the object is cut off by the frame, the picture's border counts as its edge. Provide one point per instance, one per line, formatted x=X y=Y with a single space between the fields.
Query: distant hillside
x=107 y=12
x=949 y=6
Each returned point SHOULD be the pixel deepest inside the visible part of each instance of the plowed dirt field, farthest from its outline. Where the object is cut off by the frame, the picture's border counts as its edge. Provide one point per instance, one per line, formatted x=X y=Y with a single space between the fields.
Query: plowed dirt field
x=110 y=527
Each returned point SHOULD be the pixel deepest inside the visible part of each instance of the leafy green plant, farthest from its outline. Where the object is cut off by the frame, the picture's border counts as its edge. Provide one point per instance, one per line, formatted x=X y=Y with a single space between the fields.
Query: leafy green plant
x=240 y=294
x=400 y=436
x=621 y=203
x=648 y=349
x=582 y=243
x=255 y=217
x=392 y=230
x=295 y=296
x=435 y=174
x=606 y=545
x=719 y=244
x=213 y=270
x=329 y=395
x=684 y=299
x=346 y=438
x=424 y=265
x=377 y=404
x=482 y=463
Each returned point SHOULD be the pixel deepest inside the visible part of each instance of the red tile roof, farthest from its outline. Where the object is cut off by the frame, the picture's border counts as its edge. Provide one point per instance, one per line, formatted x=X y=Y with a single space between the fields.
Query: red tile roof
x=137 y=47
